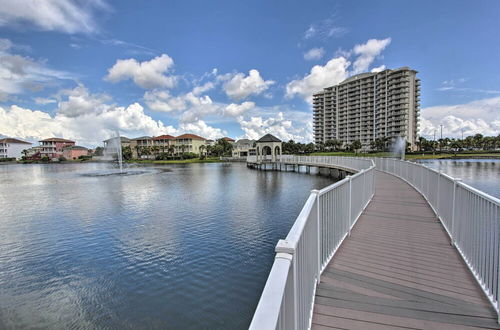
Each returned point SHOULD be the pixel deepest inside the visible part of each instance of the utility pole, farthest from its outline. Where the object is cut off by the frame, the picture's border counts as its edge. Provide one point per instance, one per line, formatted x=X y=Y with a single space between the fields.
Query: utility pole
x=462 y=134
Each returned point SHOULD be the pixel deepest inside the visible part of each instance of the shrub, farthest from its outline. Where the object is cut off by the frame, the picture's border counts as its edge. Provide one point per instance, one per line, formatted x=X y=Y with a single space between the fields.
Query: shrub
x=189 y=155
x=44 y=159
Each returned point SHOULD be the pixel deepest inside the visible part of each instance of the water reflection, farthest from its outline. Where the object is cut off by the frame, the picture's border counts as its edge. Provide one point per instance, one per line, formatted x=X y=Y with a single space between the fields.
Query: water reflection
x=483 y=174
x=186 y=248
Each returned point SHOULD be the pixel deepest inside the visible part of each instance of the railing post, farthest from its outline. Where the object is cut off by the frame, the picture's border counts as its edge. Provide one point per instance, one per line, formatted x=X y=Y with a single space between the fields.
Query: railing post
x=318 y=227
x=438 y=208
x=453 y=212
x=285 y=246
x=350 y=202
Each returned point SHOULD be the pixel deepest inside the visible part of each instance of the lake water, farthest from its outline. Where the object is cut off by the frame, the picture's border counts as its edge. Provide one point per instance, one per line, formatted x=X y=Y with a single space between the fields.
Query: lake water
x=186 y=248
x=483 y=174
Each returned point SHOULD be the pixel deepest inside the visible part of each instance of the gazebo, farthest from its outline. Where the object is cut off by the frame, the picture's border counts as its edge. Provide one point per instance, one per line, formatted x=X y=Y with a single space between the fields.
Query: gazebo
x=268 y=148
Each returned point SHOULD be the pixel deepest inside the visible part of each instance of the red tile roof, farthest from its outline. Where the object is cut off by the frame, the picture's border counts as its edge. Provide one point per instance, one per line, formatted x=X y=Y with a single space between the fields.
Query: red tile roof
x=11 y=140
x=164 y=137
x=57 y=140
x=190 y=136
x=228 y=139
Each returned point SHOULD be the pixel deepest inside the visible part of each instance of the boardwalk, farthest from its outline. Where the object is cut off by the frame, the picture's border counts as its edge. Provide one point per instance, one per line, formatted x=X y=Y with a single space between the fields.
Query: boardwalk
x=398 y=270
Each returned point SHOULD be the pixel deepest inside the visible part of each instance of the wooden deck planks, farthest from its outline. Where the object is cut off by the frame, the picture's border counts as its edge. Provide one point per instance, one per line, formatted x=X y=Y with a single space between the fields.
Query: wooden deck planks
x=397 y=270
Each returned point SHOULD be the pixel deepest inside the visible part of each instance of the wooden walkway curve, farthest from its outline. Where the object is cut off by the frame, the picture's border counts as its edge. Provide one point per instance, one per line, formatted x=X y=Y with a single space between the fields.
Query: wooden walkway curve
x=398 y=270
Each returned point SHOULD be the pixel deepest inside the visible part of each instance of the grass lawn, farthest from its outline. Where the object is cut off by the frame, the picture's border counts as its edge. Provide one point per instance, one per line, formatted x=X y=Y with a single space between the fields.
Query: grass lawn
x=410 y=156
x=178 y=161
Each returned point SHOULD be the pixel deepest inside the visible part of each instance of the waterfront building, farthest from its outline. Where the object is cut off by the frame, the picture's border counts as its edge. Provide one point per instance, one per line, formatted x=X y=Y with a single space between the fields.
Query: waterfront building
x=244 y=148
x=268 y=147
x=368 y=106
x=139 y=147
x=228 y=139
x=13 y=148
x=163 y=142
x=189 y=143
x=125 y=142
x=74 y=152
x=53 y=147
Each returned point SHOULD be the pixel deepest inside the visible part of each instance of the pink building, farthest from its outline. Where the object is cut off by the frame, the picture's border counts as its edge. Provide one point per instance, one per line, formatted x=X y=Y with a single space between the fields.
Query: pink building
x=53 y=147
x=73 y=152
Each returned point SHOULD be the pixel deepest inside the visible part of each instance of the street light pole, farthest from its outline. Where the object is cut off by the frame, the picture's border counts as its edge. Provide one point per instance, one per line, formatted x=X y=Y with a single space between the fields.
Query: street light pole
x=441 y=142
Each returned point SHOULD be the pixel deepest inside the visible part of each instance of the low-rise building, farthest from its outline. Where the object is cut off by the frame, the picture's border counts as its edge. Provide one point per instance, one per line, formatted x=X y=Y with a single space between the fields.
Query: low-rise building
x=244 y=148
x=74 y=152
x=13 y=148
x=163 y=143
x=53 y=147
x=189 y=143
x=228 y=139
x=140 y=146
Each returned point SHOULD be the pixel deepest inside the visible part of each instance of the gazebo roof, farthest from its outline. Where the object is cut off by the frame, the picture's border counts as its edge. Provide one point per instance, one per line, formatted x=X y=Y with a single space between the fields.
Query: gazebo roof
x=269 y=138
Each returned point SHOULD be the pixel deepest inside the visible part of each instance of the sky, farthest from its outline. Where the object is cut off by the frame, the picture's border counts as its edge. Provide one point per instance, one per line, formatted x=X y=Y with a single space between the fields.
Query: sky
x=85 y=70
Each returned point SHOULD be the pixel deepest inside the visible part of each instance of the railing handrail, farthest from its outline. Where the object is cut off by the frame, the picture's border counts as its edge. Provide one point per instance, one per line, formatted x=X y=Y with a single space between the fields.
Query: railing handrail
x=288 y=296
x=475 y=232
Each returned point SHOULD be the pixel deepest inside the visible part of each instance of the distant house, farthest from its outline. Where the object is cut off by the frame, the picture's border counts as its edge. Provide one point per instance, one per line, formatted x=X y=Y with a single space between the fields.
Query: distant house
x=228 y=139
x=139 y=147
x=163 y=142
x=125 y=141
x=209 y=142
x=244 y=148
x=53 y=147
x=73 y=152
x=13 y=148
x=189 y=143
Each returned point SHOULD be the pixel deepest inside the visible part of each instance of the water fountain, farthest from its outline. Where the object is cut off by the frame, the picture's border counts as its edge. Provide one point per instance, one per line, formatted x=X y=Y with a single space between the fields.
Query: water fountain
x=114 y=149
x=398 y=148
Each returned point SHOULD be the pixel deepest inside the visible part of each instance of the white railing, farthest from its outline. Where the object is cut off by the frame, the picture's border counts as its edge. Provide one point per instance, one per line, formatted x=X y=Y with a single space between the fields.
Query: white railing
x=349 y=163
x=470 y=217
x=326 y=219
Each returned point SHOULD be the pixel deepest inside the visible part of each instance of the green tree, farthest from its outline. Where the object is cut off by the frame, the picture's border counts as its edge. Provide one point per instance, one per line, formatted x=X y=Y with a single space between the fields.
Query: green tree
x=127 y=153
x=355 y=146
x=99 y=151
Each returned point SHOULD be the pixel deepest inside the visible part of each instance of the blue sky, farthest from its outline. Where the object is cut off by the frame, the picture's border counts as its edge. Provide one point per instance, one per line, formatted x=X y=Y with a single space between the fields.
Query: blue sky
x=84 y=69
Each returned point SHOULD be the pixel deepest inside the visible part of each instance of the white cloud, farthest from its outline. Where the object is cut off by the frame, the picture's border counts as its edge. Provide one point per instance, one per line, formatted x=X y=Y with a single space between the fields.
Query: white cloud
x=332 y=73
x=378 y=68
x=203 y=88
x=240 y=86
x=89 y=118
x=89 y=129
x=147 y=74
x=80 y=102
x=199 y=127
x=480 y=116
x=278 y=125
x=314 y=54
x=367 y=52
x=235 y=110
x=19 y=73
x=324 y=29
x=52 y=15
x=42 y=100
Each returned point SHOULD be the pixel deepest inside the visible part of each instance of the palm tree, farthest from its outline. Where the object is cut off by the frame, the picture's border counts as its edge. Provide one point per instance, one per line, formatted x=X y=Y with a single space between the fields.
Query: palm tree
x=138 y=150
x=171 y=150
x=202 y=148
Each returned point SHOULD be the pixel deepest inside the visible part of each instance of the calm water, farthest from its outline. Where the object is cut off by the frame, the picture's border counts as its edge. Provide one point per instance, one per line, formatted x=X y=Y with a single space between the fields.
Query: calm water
x=483 y=174
x=186 y=248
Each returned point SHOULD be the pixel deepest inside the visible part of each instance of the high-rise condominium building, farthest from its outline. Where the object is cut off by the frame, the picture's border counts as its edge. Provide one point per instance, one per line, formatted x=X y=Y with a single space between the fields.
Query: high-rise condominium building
x=369 y=106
